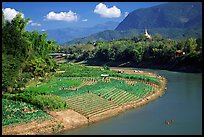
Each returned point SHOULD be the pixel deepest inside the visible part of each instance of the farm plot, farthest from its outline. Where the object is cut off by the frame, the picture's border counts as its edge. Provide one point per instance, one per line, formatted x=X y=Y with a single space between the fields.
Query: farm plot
x=115 y=95
x=142 y=89
x=55 y=85
x=90 y=104
x=20 y=112
x=86 y=81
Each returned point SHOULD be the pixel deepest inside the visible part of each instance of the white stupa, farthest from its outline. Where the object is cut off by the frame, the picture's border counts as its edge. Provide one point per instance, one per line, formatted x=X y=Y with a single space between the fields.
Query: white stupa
x=148 y=36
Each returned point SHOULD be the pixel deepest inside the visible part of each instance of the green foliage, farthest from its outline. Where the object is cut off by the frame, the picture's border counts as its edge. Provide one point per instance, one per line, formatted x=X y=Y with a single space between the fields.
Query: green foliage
x=14 y=112
x=24 y=52
x=50 y=102
x=139 y=50
x=39 y=99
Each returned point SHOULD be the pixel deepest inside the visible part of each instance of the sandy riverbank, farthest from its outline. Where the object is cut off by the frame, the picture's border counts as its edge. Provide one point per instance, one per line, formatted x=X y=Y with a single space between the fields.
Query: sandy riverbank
x=69 y=119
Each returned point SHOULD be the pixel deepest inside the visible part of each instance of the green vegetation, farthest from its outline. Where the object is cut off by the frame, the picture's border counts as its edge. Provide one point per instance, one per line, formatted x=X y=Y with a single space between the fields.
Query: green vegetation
x=34 y=83
x=77 y=70
x=40 y=99
x=90 y=104
x=88 y=95
x=55 y=85
x=140 y=52
x=24 y=54
x=20 y=112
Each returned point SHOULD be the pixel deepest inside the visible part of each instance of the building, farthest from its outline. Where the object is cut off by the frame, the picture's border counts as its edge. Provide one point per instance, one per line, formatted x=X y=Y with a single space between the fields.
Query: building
x=148 y=36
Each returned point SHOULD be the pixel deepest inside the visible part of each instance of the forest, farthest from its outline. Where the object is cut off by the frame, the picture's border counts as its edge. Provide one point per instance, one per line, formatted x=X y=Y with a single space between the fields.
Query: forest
x=139 y=51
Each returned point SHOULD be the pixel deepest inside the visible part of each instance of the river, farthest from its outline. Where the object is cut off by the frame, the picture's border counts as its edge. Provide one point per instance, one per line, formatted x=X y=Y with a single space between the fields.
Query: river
x=182 y=102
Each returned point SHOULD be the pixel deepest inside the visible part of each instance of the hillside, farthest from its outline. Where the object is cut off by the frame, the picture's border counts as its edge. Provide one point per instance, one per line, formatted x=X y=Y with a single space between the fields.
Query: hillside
x=176 y=20
x=106 y=35
x=171 y=15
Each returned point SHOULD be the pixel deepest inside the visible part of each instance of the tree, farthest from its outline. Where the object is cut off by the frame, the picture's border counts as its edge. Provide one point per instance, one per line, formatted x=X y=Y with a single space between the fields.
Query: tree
x=24 y=53
x=14 y=50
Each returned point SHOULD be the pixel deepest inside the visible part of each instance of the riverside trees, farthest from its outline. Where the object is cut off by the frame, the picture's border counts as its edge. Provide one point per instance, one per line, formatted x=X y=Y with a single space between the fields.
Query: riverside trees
x=24 y=54
x=139 y=49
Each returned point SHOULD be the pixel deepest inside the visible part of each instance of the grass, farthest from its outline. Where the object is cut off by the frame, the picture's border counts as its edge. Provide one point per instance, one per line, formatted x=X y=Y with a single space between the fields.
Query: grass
x=55 y=85
x=78 y=70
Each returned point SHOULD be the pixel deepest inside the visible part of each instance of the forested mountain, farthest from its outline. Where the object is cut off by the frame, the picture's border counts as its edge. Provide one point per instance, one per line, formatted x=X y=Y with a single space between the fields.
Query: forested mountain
x=176 y=20
x=170 y=15
x=63 y=35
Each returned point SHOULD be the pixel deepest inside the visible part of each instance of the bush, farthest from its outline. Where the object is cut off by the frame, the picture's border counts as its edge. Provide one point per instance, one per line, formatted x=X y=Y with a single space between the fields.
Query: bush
x=39 y=99
x=50 y=102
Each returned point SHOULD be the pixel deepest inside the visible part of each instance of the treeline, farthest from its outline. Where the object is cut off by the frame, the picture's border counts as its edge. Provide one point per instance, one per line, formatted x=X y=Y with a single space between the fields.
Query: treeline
x=24 y=54
x=140 y=50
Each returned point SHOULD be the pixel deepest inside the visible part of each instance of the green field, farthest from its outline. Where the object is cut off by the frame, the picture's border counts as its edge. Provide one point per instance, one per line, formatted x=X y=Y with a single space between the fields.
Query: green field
x=80 y=88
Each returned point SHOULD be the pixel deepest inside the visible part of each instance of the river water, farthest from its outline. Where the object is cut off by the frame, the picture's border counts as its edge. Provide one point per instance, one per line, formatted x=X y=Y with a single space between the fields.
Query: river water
x=182 y=102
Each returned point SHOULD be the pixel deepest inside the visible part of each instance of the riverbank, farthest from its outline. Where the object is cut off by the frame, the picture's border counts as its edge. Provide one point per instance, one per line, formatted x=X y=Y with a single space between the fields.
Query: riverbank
x=171 y=65
x=69 y=119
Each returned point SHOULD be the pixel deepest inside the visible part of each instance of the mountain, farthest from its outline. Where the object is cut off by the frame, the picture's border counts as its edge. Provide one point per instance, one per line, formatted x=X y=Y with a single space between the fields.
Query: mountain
x=169 y=15
x=176 y=20
x=106 y=35
x=66 y=34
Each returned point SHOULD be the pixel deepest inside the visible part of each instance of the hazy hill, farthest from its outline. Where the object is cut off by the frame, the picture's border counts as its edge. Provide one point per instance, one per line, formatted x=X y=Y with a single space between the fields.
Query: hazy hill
x=106 y=35
x=66 y=34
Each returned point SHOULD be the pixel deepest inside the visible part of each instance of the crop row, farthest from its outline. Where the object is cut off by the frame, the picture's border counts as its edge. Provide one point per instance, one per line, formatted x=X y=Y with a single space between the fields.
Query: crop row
x=89 y=104
x=117 y=96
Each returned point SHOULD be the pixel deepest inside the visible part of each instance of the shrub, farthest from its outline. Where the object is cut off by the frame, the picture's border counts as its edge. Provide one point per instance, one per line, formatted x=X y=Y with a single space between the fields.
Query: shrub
x=39 y=99
x=50 y=102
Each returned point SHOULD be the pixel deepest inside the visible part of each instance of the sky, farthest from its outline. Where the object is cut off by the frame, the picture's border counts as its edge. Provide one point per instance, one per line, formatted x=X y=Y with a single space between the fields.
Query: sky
x=53 y=15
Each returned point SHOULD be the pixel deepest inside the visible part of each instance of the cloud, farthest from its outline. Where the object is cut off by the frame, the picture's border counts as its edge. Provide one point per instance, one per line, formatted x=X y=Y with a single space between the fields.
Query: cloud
x=84 y=20
x=43 y=30
x=30 y=21
x=9 y=14
x=34 y=23
x=112 y=12
x=126 y=13
x=62 y=16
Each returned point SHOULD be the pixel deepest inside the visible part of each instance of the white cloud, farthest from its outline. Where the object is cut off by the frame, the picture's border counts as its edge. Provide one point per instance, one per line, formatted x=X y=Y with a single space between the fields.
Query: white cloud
x=63 y=16
x=43 y=30
x=9 y=14
x=126 y=13
x=112 y=12
x=34 y=23
x=85 y=20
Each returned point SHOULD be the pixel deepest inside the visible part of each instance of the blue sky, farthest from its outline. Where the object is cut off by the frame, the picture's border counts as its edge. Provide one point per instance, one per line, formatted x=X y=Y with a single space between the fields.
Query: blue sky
x=52 y=15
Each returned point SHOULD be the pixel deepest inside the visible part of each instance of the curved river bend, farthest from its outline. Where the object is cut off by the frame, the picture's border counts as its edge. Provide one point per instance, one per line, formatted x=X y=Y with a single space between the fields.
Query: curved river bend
x=182 y=103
